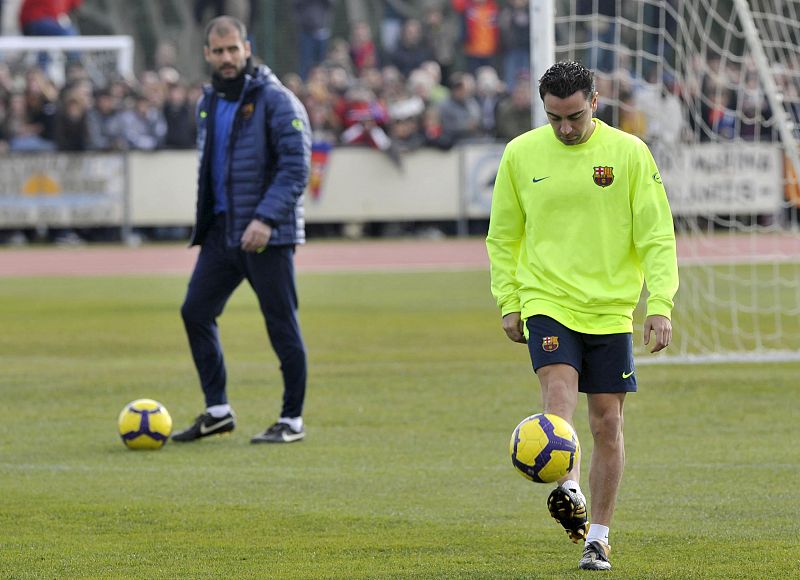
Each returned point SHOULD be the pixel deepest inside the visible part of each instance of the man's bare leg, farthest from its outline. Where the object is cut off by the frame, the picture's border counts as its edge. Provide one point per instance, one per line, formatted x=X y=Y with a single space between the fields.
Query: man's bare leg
x=560 y=397
x=608 y=457
x=559 y=384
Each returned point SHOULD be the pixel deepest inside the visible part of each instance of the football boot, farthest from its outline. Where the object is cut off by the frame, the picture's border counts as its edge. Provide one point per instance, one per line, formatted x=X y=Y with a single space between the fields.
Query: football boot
x=595 y=556
x=569 y=509
x=206 y=425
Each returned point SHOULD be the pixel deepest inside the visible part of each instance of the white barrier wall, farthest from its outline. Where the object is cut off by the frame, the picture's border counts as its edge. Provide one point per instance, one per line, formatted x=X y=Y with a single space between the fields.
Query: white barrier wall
x=360 y=185
x=364 y=185
x=163 y=188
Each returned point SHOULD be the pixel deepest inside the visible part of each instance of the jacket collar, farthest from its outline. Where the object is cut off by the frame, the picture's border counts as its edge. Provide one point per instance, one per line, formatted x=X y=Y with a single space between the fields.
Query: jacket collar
x=259 y=76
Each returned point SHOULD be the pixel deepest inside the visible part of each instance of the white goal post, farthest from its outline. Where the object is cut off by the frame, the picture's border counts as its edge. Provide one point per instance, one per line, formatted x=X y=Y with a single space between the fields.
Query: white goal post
x=713 y=87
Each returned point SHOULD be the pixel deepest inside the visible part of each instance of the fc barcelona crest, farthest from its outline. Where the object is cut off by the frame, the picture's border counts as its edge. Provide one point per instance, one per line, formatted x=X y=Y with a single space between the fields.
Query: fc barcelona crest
x=603 y=176
x=549 y=343
x=247 y=110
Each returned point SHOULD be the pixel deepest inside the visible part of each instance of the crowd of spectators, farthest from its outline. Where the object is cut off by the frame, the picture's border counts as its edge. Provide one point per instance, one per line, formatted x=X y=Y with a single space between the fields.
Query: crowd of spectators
x=433 y=78
x=451 y=72
x=155 y=112
x=457 y=70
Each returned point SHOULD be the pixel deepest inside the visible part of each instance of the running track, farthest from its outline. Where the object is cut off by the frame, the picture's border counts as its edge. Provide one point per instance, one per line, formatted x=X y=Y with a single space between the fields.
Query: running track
x=316 y=256
x=344 y=256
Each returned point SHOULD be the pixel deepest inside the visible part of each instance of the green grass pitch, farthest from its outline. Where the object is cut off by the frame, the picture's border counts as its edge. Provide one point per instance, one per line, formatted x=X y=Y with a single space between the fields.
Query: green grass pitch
x=413 y=394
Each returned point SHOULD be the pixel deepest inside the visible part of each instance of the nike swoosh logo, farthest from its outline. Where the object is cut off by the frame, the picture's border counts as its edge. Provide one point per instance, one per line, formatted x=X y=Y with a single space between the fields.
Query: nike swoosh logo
x=540 y=179
x=626 y=375
x=206 y=429
x=289 y=438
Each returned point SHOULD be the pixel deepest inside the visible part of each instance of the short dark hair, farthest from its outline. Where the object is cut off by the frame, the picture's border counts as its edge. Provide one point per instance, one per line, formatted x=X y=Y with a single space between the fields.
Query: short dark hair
x=224 y=25
x=565 y=78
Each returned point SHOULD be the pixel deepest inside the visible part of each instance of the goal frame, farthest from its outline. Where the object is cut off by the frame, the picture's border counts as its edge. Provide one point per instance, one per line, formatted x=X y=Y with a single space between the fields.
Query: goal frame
x=122 y=44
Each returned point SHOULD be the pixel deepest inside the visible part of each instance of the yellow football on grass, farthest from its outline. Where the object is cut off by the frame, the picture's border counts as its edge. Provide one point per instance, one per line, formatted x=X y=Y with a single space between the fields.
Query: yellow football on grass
x=144 y=424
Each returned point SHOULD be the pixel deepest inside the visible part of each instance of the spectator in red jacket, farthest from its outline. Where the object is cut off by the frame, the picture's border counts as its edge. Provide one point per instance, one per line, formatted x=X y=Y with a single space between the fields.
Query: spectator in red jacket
x=366 y=121
x=47 y=17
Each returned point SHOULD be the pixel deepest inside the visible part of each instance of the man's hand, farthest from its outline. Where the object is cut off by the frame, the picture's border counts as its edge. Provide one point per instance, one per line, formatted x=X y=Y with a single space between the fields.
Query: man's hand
x=662 y=327
x=256 y=236
x=512 y=324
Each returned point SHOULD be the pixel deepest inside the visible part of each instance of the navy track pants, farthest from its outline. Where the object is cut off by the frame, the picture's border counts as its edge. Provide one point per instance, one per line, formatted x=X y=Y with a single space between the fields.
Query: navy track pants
x=218 y=272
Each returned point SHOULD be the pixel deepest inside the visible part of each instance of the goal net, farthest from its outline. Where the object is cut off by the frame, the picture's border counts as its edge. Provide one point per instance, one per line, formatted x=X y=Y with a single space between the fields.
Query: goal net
x=713 y=87
x=104 y=58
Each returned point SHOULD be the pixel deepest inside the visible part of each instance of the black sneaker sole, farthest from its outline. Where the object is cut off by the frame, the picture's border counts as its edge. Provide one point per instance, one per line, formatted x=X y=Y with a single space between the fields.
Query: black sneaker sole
x=227 y=433
x=570 y=515
x=224 y=430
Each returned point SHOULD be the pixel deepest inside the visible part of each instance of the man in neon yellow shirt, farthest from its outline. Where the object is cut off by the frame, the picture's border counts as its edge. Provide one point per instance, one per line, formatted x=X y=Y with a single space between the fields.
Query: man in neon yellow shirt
x=579 y=221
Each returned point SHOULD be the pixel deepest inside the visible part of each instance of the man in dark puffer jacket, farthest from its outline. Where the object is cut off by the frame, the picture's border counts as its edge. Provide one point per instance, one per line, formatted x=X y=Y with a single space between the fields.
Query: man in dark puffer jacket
x=255 y=149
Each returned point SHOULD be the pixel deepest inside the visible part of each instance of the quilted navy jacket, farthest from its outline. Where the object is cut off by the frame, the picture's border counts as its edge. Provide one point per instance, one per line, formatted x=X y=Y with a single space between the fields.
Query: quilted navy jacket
x=268 y=161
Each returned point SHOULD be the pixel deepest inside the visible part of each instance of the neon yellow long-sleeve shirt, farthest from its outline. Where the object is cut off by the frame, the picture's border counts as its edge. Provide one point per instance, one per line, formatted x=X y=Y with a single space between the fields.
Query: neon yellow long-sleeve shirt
x=575 y=230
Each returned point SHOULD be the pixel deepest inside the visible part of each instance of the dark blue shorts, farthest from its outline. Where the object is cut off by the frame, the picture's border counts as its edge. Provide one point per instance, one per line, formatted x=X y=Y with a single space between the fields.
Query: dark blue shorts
x=604 y=361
